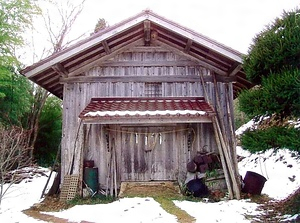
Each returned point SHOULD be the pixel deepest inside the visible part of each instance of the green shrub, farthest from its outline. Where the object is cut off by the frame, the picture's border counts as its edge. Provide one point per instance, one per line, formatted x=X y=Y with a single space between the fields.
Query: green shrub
x=272 y=137
x=278 y=94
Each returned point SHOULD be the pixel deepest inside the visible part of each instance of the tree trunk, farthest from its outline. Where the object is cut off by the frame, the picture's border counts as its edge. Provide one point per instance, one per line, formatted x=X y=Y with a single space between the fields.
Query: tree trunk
x=39 y=99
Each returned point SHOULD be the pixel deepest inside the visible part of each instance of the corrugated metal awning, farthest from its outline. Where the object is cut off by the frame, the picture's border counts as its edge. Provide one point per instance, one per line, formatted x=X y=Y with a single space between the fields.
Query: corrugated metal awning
x=147 y=110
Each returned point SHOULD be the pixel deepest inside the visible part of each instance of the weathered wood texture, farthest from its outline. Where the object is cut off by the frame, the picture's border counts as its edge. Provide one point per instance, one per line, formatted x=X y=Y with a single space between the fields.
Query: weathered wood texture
x=166 y=160
x=149 y=152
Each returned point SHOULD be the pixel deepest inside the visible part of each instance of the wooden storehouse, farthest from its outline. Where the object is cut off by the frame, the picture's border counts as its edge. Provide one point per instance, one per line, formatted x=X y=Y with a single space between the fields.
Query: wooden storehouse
x=142 y=98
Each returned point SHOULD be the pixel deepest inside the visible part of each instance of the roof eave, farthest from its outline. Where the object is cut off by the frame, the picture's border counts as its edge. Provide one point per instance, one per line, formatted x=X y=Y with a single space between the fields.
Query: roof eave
x=124 y=25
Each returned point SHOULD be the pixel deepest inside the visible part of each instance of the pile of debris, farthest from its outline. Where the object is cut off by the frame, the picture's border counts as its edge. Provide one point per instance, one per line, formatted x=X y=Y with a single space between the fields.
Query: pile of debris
x=28 y=173
x=204 y=162
x=205 y=174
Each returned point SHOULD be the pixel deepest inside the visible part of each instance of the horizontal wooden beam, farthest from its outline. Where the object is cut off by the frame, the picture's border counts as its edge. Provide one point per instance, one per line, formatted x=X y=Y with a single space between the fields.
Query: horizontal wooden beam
x=146 y=79
x=178 y=63
x=150 y=49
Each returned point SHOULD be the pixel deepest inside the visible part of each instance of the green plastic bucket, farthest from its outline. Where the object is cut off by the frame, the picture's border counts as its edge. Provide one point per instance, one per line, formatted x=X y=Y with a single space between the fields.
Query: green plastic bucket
x=90 y=177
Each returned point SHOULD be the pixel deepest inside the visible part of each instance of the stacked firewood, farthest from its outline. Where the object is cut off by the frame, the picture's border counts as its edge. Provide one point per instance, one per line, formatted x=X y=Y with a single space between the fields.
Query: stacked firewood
x=204 y=162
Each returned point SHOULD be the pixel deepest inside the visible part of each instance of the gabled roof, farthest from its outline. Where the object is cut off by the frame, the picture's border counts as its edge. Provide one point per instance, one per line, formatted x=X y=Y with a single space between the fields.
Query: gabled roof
x=147 y=110
x=98 y=47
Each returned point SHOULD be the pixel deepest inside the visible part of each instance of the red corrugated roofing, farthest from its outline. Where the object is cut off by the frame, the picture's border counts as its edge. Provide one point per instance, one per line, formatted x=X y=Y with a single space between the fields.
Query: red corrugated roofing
x=150 y=107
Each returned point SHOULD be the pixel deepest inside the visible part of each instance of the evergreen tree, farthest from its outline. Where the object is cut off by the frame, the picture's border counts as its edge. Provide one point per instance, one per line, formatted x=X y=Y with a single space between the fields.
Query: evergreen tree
x=273 y=63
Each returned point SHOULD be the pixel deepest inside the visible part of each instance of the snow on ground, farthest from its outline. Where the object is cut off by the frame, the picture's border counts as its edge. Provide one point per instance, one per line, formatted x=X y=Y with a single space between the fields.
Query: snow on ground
x=233 y=211
x=134 y=210
x=20 y=197
x=281 y=168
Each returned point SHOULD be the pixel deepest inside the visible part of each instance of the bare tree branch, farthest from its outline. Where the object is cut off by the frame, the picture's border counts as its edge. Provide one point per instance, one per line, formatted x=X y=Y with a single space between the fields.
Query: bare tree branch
x=57 y=31
x=13 y=156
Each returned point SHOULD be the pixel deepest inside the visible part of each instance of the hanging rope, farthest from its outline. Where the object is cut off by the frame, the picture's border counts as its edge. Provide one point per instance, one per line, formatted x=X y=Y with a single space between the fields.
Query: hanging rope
x=155 y=135
x=146 y=133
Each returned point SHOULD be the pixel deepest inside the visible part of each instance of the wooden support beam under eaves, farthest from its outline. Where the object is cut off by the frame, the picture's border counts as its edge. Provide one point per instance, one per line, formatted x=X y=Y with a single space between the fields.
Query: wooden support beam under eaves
x=188 y=46
x=106 y=47
x=59 y=68
x=147 y=32
x=235 y=69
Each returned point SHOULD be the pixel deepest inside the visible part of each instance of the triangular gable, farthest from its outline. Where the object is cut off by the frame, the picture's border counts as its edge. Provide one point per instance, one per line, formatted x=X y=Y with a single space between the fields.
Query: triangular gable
x=129 y=33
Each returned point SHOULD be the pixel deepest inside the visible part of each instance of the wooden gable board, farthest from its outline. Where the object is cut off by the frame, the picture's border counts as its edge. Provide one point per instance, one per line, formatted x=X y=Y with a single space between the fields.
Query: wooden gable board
x=82 y=45
x=227 y=63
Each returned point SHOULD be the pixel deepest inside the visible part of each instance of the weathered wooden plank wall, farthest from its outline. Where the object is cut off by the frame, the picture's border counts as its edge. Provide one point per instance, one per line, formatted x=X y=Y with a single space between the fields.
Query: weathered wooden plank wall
x=140 y=64
x=150 y=152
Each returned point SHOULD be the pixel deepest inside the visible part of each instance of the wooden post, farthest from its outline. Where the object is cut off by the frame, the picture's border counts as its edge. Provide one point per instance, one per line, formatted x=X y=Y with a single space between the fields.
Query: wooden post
x=108 y=159
x=224 y=165
x=71 y=164
x=219 y=144
x=225 y=144
x=86 y=134
x=231 y=126
x=115 y=167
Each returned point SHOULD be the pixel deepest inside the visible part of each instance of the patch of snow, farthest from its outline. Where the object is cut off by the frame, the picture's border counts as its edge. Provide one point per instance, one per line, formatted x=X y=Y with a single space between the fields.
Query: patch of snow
x=245 y=127
x=295 y=123
x=242 y=152
x=21 y=197
x=290 y=218
x=224 y=211
x=143 y=113
x=134 y=210
x=280 y=167
x=250 y=125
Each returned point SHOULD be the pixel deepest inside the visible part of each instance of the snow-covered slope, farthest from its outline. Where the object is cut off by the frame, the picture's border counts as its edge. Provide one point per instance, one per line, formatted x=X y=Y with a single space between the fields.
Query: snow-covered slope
x=280 y=167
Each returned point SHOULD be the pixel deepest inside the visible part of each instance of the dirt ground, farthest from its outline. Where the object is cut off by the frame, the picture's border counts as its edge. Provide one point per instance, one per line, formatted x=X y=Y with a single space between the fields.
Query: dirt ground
x=164 y=193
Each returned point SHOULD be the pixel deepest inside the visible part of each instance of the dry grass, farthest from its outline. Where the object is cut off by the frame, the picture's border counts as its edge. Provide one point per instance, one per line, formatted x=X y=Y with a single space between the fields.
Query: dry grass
x=162 y=192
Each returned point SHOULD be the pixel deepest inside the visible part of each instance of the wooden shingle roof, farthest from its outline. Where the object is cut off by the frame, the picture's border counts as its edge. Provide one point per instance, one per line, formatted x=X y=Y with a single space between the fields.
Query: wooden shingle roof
x=75 y=59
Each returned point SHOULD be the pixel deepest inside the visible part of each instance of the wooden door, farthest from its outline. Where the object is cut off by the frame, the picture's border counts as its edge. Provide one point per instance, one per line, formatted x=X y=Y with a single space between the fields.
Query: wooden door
x=148 y=153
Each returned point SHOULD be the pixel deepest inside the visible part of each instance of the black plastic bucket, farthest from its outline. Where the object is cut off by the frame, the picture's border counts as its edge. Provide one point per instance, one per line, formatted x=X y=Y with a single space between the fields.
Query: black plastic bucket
x=197 y=188
x=90 y=177
x=253 y=183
